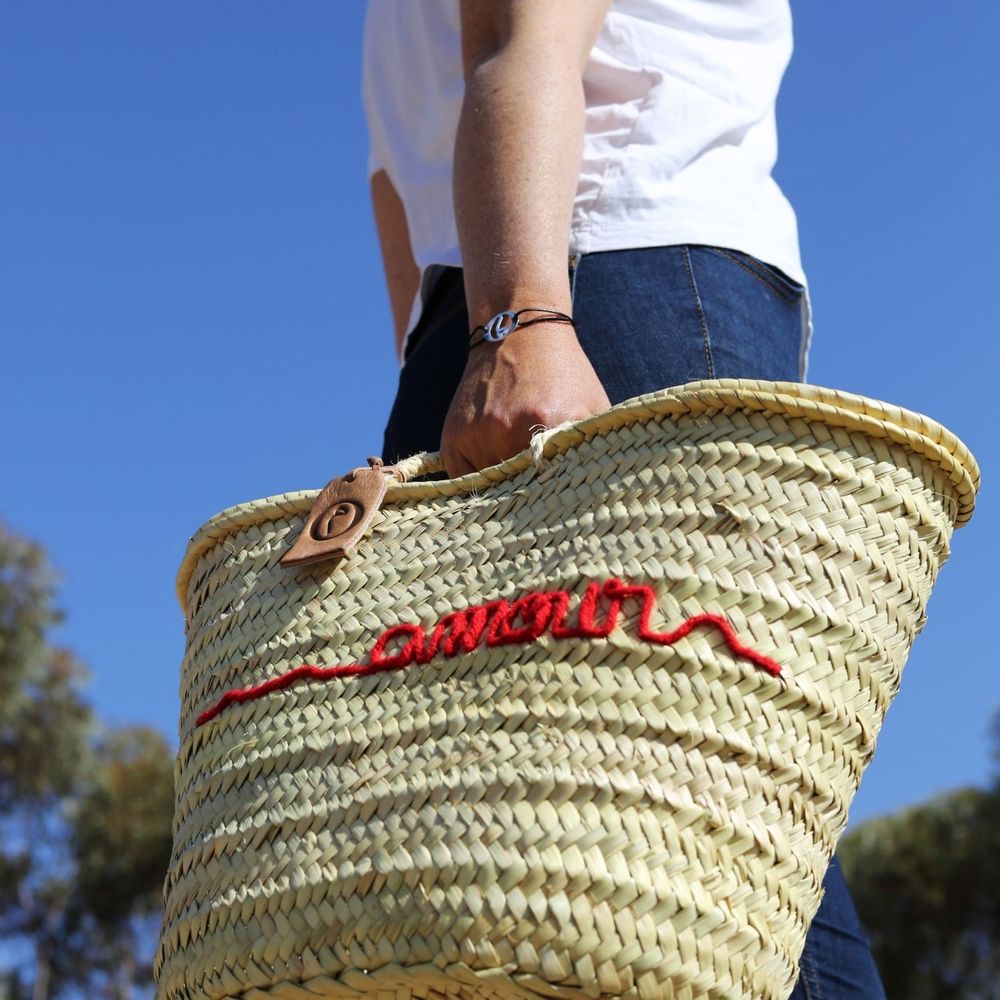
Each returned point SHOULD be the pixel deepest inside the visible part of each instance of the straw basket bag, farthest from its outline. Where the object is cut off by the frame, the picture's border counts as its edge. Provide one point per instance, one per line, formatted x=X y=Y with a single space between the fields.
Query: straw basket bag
x=585 y=724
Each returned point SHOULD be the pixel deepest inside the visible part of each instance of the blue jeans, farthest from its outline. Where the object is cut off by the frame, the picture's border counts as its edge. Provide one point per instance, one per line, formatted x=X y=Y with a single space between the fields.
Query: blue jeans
x=647 y=319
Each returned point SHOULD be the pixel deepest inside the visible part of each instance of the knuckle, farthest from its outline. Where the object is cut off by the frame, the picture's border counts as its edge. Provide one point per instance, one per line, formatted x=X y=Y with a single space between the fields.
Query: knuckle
x=549 y=414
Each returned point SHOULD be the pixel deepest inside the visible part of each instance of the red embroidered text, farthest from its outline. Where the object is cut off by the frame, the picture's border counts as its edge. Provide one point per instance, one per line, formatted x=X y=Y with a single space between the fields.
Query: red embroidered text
x=501 y=623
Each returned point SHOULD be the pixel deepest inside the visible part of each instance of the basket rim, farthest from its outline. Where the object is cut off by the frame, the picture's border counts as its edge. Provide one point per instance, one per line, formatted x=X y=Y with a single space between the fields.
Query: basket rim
x=835 y=407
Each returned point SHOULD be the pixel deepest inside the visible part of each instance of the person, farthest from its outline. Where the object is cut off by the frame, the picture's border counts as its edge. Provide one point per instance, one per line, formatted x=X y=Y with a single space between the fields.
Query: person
x=604 y=163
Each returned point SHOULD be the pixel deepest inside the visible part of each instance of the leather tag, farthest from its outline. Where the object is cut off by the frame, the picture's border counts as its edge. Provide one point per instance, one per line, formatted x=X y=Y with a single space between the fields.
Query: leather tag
x=339 y=518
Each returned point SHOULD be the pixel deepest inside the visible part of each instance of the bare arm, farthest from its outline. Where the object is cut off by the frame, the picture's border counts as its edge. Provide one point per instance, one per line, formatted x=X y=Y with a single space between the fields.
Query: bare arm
x=517 y=163
x=518 y=148
x=401 y=273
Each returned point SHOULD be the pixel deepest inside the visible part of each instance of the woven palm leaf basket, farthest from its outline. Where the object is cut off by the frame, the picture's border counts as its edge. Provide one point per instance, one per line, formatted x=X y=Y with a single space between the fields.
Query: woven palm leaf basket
x=585 y=724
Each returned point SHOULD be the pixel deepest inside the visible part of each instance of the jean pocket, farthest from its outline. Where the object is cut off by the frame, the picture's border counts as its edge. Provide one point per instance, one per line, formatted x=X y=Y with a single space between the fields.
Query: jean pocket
x=775 y=279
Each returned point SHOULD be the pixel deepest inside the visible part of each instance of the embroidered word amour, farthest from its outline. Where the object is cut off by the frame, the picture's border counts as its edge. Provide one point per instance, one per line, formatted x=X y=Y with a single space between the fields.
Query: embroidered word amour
x=501 y=623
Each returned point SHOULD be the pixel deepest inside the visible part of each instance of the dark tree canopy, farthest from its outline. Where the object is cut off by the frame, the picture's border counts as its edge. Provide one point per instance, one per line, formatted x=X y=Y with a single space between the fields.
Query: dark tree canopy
x=85 y=811
x=44 y=723
x=121 y=826
x=926 y=882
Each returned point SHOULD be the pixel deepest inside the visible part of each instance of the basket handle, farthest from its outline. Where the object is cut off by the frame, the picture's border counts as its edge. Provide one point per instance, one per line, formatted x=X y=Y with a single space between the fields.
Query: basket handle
x=413 y=467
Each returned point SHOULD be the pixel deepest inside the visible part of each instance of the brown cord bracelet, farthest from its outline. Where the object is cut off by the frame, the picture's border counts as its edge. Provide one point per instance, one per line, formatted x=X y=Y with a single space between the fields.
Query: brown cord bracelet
x=505 y=323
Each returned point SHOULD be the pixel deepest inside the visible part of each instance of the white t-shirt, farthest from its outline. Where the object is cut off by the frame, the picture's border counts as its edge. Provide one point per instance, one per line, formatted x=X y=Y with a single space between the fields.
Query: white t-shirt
x=679 y=142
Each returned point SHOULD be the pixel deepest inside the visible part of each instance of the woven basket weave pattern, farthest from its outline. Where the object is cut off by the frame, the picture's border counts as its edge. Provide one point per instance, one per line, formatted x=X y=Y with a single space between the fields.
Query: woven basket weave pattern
x=565 y=817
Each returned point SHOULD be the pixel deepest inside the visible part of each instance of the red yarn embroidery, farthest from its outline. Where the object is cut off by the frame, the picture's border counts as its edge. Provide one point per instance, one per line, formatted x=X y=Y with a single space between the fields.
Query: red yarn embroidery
x=504 y=623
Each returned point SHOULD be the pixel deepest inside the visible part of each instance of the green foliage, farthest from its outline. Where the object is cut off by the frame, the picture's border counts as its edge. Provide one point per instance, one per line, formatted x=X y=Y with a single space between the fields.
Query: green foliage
x=121 y=826
x=44 y=723
x=85 y=812
x=44 y=749
x=926 y=883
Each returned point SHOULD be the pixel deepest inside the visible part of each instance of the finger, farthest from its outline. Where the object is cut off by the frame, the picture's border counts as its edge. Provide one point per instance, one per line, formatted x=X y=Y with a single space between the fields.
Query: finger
x=456 y=464
x=499 y=447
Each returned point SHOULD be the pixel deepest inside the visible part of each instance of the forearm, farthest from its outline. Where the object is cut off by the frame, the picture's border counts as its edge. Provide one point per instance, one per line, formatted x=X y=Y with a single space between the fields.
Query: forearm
x=402 y=275
x=516 y=168
x=517 y=162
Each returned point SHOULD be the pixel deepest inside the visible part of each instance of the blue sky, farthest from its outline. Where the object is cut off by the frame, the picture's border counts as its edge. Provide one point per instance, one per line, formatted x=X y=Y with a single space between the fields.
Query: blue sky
x=193 y=313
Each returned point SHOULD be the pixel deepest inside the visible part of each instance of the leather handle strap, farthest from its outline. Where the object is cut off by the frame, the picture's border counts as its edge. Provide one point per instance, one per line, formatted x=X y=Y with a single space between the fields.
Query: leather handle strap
x=346 y=505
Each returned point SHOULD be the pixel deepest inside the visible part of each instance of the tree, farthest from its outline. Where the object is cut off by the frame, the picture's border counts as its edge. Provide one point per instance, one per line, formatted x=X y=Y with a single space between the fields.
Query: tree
x=121 y=842
x=44 y=730
x=85 y=811
x=926 y=882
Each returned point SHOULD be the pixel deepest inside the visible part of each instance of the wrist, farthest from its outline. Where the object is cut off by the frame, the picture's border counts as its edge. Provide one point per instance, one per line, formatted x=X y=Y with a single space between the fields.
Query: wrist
x=485 y=304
